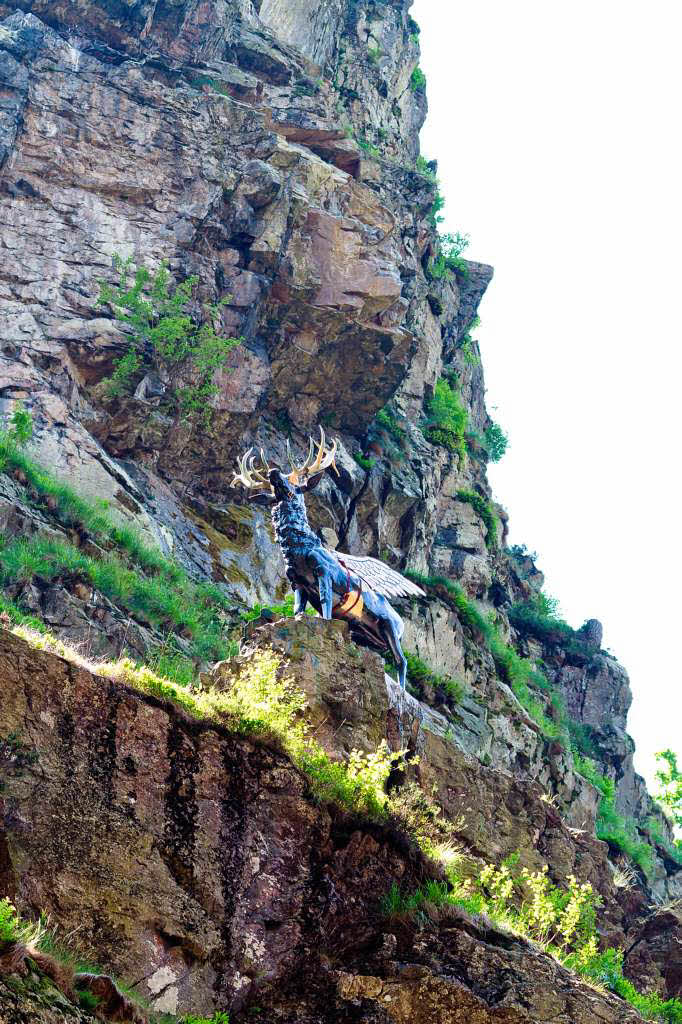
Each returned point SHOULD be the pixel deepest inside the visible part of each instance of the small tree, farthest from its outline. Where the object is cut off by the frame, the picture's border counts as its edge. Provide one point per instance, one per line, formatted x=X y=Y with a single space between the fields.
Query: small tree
x=165 y=337
x=496 y=441
x=20 y=426
x=669 y=778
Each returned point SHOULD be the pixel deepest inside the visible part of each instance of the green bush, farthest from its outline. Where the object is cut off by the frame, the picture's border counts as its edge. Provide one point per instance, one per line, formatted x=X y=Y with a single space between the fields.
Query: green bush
x=606 y=969
x=496 y=441
x=387 y=429
x=164 y=336
x=483 y=508
x=427 y=168
x=448 y=259
x=10 y=923
x=669 y=779
x=655 y=831
x=363 y=462
x=285 y=610
x=446 y=418
x=417 y=80
x=538 y=616
x=560 y=919
x=20 y=429
x=421 y=675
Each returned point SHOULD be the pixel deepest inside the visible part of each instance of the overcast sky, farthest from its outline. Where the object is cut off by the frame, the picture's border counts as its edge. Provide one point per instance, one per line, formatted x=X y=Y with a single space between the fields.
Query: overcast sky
x=557 y=133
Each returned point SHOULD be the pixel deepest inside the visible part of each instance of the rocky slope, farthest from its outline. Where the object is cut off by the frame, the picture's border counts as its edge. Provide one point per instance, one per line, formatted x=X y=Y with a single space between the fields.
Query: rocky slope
x=270 y=149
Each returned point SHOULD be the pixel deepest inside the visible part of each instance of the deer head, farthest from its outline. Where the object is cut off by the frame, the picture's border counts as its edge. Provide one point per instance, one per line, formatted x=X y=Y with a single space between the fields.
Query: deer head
x=256 y=475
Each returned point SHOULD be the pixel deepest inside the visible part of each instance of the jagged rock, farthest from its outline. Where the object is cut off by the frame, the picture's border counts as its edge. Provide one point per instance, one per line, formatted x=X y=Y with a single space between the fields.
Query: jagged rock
x=593 y=632
x=654 y=952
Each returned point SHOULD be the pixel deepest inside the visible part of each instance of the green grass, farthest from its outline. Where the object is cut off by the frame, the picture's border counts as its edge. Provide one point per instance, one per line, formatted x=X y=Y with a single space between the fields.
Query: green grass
x=606 y=969
x=285 y=610
x=523 y=678
x=420 y=675
x=74 y=511
x=611 y=826
x=185 y=607
x=446 y=418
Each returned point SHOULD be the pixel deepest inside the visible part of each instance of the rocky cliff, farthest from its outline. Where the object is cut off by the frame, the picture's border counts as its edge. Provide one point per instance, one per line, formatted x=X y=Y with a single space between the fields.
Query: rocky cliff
x=270 y=150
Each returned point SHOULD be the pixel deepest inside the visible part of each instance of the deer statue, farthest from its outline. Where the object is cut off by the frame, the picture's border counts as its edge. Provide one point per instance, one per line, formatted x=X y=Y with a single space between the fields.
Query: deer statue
x=355 y=588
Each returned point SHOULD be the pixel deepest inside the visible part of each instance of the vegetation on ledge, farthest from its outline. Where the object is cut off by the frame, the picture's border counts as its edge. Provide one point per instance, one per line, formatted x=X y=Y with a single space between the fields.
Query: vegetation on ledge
x=559 y=920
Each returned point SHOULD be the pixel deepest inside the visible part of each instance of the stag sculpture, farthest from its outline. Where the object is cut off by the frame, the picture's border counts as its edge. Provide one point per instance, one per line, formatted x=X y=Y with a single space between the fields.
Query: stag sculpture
x=351 y=587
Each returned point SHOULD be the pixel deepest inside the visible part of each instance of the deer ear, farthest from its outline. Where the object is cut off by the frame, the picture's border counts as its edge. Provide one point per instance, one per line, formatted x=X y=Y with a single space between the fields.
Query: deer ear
x=312 y=483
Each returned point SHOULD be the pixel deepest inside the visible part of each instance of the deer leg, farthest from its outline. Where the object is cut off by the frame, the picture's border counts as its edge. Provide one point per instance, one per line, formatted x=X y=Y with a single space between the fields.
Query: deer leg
x=300 y=600
x=393 y=638
x=324 y=584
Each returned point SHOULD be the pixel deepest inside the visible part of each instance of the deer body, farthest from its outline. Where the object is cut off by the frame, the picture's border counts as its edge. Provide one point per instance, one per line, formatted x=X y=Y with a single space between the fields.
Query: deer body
x=316 y=573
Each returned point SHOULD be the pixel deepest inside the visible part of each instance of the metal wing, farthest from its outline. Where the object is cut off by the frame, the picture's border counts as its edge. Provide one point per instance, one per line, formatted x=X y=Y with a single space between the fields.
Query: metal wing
x=379 y=577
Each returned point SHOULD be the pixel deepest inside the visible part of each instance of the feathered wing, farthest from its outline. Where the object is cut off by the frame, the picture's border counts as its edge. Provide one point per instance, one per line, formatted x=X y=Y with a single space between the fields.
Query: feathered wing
x=380 y=577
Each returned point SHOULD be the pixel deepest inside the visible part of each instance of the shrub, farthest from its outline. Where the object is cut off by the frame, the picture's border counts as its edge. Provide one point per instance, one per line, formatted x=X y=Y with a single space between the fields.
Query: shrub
x=388 y=422
x=368 y=147
x=20 y=430
x=10 y=923
x=655 y=831
x=560 y=919
x=538 y=616
x=496 y=441
x=363 y=462
x=374 y=53
x=163 y=336
x=446 y=418
x=427 y=168
x=606 y=968
x=417 y=80
x=483 y=508
x=448 y=257
x=388 y=430
x=421 y=675
x=422 y=818
x=669 y=779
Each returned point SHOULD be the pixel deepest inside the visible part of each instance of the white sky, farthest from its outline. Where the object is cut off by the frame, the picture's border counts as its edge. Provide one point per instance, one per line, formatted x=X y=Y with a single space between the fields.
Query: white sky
x=557 y=132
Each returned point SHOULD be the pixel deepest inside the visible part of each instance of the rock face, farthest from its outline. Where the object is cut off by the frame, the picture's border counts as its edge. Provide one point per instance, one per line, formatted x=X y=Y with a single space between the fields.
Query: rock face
x=195 y=862
x=270 y=148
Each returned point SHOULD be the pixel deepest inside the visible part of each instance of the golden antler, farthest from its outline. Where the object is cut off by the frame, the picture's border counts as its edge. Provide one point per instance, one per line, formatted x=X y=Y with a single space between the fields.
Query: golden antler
x=256 y=476
x=311 y=467
x=249 y=475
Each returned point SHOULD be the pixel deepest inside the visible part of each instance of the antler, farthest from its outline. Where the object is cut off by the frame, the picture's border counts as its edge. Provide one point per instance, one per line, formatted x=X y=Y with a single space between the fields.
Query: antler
x=256 y=477
x=311 y=467
x=249 y=475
